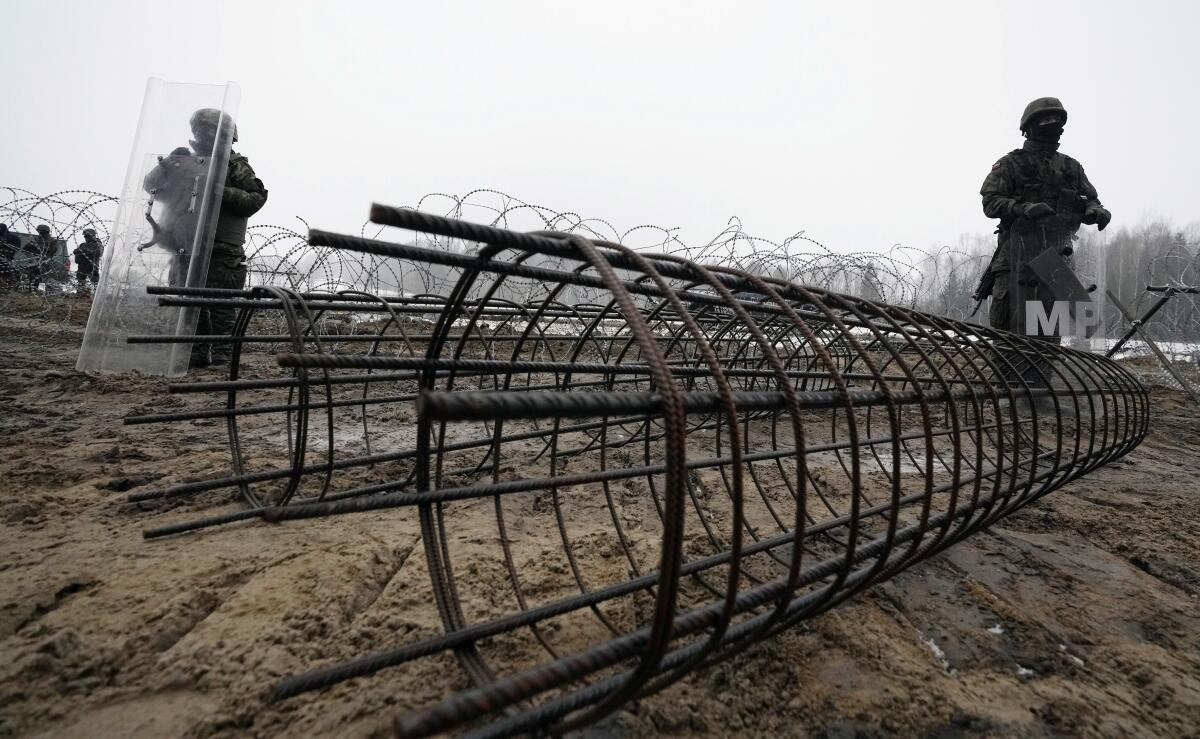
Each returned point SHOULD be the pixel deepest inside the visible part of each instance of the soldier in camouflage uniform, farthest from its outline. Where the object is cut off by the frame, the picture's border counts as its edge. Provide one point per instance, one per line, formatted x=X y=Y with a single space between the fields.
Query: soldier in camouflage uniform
x=244 y=195
x=42 y=249
x=87 y=259
x=1041 y=197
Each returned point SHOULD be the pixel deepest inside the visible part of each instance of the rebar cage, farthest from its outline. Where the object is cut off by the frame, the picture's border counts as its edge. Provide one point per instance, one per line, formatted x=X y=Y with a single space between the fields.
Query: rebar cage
x=701 y=456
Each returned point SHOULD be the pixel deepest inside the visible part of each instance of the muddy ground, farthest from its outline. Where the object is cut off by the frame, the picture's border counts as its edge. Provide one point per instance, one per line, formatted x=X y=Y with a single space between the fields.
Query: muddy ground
x=1078 y=616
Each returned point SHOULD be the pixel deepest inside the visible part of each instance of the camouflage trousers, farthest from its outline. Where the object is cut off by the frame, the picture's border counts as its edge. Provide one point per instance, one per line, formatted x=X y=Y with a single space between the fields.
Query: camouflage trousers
x=34 y=275
x=87 y=272
x=1009 y=311
x=226 y=269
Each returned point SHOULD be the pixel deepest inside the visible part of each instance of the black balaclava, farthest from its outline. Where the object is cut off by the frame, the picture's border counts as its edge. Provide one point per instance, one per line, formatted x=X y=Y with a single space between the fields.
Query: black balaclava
x=1046 y=129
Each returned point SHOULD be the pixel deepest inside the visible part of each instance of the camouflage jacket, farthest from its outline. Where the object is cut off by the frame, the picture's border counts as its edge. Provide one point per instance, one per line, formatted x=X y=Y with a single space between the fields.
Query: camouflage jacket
x=1035 y=173
x=89 y=252
x=43 y=249
x=244 y=195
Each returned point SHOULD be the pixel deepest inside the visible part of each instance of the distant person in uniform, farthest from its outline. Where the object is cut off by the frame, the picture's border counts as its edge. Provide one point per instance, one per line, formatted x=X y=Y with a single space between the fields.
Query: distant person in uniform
x=87 y=260
x=9 y=246
x=42 y=249
x=1041 y=197
x=244 y=195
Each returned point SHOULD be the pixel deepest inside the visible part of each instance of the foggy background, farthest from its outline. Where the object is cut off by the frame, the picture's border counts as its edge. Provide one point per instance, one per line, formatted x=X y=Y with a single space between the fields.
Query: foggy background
x=864 y=124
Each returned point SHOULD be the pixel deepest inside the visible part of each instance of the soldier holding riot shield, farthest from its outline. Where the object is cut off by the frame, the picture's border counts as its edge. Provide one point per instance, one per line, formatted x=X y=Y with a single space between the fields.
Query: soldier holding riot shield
x=165 y=227
x=243 y=195
x=174 y=186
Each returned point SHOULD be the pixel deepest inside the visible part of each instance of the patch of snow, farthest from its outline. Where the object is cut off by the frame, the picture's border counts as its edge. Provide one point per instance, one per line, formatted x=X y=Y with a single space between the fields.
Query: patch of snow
x=997 y=630
x=1078 y=662
x=937 y=651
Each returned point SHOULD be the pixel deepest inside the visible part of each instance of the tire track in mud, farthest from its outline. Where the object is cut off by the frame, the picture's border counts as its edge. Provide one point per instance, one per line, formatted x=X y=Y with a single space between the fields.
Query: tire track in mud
x=41 y=609
x=191 y=609
x=377 y=585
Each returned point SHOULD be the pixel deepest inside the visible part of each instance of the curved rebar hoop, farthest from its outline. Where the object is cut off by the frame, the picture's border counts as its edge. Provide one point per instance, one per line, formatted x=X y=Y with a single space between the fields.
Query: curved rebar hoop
x=703 y=455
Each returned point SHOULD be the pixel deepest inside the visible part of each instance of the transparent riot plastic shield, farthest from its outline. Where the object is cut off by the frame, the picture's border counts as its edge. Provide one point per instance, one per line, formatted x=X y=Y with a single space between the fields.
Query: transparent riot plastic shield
x=163 y=232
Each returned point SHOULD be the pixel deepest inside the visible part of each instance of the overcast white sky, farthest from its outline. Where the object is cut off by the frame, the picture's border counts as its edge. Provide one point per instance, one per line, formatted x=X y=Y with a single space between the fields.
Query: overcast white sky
x=865 y=124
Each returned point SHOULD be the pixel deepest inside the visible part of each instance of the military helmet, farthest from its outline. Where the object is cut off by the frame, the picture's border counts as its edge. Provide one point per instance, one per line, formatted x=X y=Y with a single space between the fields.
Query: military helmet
x=43 y=229
x=89 y=233
x=206 y=121
x=1039 y=107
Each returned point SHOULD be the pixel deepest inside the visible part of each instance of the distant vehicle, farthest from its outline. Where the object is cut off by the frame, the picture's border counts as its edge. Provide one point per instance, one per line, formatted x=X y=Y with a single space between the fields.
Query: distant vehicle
x=58 y=269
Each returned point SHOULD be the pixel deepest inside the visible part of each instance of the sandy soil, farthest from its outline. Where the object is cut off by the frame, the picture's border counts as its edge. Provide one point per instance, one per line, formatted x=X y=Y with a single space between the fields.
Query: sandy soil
x=1079 y=616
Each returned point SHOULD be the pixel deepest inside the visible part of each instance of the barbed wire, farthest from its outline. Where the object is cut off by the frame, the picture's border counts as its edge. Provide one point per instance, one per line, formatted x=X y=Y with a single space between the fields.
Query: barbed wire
x=281 y=256
x=41 y=288
x=939 y=280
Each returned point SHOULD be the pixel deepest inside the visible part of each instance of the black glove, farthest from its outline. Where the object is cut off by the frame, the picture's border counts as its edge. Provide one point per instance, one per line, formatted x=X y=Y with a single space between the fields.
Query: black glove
x=1097 y=215
x=1034 y=211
